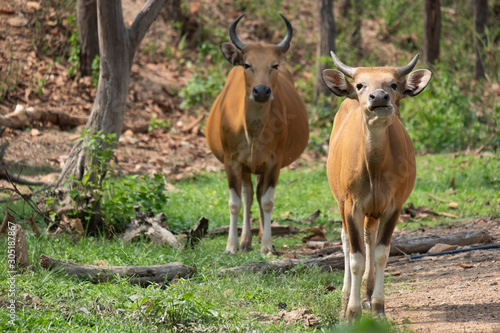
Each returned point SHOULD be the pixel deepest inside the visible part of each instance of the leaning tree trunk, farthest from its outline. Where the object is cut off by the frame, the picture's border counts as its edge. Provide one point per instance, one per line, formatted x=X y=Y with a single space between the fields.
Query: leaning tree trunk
x=480 y=23
x=117 y=45
x=432 y=31
x=87 y=34
x=325 y=45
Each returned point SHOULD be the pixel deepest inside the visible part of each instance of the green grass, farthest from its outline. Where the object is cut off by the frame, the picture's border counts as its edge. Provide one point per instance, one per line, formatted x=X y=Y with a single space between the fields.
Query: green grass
x=208 y=195
x=299 y=193
x=476 y=185
x=210 y=302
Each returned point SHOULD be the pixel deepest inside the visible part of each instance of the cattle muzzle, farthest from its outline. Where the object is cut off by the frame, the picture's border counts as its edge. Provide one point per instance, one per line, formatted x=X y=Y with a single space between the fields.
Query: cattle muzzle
x=261 y=93
x=380 y=102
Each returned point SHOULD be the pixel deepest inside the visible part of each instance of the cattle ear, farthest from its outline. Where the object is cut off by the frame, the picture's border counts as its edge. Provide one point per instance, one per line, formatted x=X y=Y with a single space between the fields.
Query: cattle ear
x=337 y=83
x=231 y=52
x=416 y=82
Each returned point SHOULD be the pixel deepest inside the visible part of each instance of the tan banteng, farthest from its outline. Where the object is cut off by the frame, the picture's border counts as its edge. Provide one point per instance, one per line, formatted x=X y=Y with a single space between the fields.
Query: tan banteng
x=371 y=171
x=257 y=125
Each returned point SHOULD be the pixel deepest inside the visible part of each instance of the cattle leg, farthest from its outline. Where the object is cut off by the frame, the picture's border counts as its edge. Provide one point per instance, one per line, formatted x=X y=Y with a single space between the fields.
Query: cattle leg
x=247 y=196
x=265 y=196
x=356 y=261
x=346 y=288
x=370 y=230
x=234 y=181
x=387 y=225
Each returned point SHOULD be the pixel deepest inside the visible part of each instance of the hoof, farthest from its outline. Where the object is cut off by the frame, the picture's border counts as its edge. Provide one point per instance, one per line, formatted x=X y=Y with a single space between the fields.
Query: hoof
x=366 y=304
x=353 y=314
x=231 y=251
x=378 y=310
x=246 y=247
x=264 y=250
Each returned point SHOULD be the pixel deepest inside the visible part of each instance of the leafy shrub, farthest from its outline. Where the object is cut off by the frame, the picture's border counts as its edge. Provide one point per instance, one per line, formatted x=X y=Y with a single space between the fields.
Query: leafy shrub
x=178 y=312
x=122 y=194
x=74 y=46
x=202 y=89
x=445 y=117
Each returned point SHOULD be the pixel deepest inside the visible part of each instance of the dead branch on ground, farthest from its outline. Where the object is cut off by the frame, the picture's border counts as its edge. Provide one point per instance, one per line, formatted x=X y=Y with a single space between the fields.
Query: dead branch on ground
x=336 y=260
x=25 y=117
x=196 y=233
x=141 y=275
x=144 y=224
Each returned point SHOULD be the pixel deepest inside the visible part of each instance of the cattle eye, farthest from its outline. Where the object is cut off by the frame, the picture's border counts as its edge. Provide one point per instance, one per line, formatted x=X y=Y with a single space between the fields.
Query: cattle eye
x=275 y=66
x=394 y=86
x=246 y=66
x=359 y=86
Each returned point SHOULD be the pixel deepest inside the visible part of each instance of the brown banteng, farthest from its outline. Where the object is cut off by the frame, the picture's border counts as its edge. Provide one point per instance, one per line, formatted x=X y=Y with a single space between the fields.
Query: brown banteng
x=257 y=125
x=371 y=171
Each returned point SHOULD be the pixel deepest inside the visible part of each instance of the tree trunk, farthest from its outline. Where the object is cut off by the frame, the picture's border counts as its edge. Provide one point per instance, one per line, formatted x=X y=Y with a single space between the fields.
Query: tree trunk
x=325 y=45
x=117 y=45
x=87 y=34
x=480 y=23
x=432 y=31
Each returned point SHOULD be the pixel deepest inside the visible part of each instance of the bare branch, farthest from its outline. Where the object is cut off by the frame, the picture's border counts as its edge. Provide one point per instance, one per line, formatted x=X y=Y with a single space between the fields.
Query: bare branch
x=142 y=22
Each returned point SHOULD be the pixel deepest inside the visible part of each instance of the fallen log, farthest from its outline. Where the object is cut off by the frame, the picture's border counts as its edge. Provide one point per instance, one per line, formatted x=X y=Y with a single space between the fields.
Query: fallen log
x=407 y=245
x=484 y=247
x=24 y=117
x=277 y=230
x=400 y=244
x=322 y=245
x=331 y=262
x=140 y=275
x=144 y=224
x=4 y=175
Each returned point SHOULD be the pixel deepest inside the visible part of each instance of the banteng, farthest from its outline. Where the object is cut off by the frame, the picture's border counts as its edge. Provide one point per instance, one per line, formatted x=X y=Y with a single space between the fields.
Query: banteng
x=257 y=125
x=371 y=171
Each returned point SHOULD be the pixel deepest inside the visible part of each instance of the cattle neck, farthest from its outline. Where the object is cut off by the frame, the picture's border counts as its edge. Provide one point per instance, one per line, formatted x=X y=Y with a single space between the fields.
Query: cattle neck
x=376 y=152
x=256 y=117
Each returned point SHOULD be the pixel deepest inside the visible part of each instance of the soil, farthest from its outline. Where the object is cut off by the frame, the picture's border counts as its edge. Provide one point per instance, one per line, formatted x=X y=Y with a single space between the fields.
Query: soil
x=451 y=293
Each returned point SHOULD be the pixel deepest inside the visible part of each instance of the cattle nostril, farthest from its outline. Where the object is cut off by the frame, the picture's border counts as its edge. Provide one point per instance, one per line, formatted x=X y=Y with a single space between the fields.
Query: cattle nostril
x=386 y=97
x=255 y=92
x=371 y=97
x=267 y=91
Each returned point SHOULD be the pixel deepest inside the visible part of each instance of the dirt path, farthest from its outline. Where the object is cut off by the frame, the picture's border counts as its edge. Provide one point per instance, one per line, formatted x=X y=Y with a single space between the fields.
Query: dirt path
x=450 y=293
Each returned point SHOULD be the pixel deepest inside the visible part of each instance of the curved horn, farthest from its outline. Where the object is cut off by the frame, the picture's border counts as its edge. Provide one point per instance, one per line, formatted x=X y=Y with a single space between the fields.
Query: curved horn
x=407 y=69
x=285 y=43
x=232 y=33
x=349 y=71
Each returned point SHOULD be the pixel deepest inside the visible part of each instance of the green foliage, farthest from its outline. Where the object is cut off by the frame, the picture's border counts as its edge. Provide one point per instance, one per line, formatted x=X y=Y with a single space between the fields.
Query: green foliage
x=96 y=67
x=179 y=311
x=202 y=89
x=445 y=118
x=100 y=150
x=366 y=325
x=120 y=195
x=476 y=186
x=155 y=124
x=74 y=46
